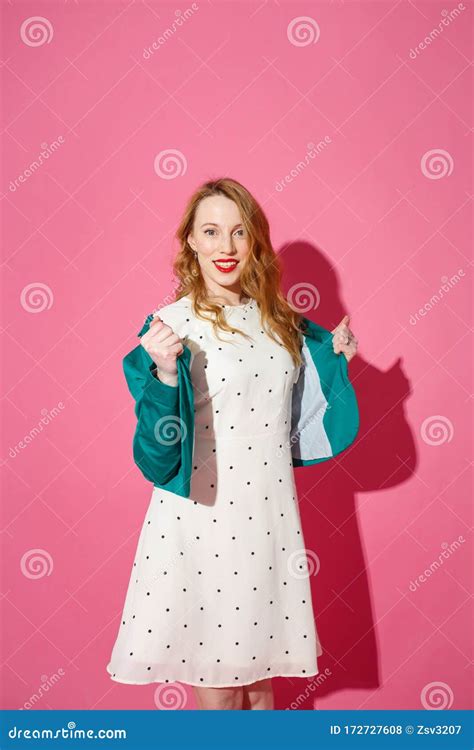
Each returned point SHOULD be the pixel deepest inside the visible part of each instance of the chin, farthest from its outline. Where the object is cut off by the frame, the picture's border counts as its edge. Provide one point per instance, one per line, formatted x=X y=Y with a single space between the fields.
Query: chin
x=225 y=280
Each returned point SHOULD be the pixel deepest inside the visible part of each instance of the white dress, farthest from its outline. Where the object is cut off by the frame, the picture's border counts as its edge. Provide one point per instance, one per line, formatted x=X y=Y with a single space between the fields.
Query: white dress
x=219 y=593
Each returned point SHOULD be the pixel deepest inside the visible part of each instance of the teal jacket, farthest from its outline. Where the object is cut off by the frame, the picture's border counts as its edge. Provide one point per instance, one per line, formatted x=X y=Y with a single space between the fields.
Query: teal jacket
x=325 y=415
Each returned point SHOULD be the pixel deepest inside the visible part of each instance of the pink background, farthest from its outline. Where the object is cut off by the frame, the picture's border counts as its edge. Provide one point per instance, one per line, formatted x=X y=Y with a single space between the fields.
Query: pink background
x=371 y=225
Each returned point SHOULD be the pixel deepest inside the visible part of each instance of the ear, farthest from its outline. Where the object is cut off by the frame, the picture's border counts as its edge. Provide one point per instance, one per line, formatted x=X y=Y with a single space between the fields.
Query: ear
x=190 y=240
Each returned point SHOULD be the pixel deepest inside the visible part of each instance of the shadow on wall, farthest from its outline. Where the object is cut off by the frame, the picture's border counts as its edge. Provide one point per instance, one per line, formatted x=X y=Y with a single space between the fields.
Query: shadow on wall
x=382 y=456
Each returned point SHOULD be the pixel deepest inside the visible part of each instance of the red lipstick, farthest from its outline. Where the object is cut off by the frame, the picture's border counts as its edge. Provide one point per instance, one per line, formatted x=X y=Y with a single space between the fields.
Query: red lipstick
x=225 y=265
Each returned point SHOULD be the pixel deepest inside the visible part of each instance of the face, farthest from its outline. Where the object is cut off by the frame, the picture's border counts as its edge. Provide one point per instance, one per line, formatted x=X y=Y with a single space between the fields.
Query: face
x=221 y=242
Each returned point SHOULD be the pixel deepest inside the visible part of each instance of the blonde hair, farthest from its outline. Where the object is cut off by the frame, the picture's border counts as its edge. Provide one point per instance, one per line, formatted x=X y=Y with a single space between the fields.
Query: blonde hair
x=260 y=276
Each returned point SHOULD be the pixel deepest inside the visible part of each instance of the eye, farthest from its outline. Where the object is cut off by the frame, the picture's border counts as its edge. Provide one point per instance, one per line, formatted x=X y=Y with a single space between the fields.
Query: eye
x=240 y=232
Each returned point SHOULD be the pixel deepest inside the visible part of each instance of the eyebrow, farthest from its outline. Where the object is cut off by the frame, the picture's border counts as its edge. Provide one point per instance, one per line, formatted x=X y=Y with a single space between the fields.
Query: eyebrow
x=211 y=224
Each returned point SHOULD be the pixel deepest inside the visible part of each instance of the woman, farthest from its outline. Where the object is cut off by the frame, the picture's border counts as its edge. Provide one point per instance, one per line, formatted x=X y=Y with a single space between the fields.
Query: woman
x=217 y=598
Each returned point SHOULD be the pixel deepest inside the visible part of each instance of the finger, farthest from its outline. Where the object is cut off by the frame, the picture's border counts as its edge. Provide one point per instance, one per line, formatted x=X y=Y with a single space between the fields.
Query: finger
x=345 y=346
x=349 y=335
x=155 y=324
x=343 y=323
x=160 y=332
x=176 y=349
x=341 y=337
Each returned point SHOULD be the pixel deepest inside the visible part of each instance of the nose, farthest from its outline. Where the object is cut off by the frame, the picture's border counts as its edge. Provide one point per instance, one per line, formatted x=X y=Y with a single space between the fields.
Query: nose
x=227 y=245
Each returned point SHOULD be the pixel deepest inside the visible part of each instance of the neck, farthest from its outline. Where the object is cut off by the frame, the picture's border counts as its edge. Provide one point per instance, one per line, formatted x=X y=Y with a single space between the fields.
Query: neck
x=227 y=297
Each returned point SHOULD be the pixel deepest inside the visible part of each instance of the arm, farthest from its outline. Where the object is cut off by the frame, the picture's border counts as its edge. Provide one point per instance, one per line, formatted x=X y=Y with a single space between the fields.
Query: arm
x=164 y=377
x=157 y=438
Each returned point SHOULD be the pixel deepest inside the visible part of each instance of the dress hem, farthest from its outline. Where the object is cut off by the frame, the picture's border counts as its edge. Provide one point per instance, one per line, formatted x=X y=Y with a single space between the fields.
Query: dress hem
x=201 y=684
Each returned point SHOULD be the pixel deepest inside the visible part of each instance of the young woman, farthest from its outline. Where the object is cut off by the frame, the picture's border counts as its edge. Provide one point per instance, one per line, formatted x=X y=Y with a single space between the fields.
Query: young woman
x=219 y=597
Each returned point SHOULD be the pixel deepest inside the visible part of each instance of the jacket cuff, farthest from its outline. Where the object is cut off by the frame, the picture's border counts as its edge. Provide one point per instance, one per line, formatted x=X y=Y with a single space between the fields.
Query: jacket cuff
x=162 y=392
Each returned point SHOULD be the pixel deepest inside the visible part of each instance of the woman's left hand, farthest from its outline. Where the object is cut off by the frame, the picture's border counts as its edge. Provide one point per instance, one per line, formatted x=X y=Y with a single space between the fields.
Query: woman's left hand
x=344 y=340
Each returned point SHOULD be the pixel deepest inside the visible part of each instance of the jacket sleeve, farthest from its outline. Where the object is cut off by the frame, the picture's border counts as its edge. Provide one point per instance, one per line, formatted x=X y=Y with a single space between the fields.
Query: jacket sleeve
x=157 y=438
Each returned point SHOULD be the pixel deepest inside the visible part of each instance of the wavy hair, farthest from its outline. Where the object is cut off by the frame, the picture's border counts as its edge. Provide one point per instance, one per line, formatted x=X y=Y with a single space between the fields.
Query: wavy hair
x=260 y=276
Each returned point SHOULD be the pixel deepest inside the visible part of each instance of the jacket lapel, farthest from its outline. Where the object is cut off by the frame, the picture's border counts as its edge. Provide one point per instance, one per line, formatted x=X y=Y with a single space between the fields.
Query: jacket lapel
x=325 y=416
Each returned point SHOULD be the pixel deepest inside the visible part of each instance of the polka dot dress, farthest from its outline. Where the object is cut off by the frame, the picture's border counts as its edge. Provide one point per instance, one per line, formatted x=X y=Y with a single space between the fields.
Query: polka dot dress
x=219 y=593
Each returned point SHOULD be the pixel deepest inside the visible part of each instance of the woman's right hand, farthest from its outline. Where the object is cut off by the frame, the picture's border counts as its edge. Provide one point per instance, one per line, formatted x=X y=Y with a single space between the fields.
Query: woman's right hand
x=163 y=346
